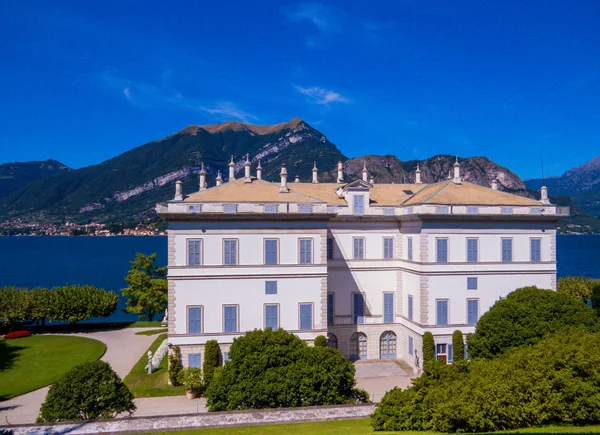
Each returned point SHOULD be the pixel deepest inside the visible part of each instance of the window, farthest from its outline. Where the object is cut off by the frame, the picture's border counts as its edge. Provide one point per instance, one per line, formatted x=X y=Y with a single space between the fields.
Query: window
x=410 y=248
x=230 y=208
x=388 y=308
x=441 y=250
x=271 y=208
x=441 y=308
x=387 y=345
x=194 y=252
x=359 y=308
x=388 y=212
x=359 y=248
x=359 y=205
x=230 y=314
x=410 y=307
x=410 y=346
x=388 y=247
x=535 y=210
x=272 y=316
x=332 y=341
x=194 y=320
x=305 y=317
x=472 y=311
x=305 y=251
x=330 y=308
x=507 y=250
x=270 y=287
x=194 y=208
x=330 y=248
x=305 y=208
x=450 y=353
x=472 y=250
x=472 y=210
x=194 y=360
x=358 y=346
x=536 y=249
x=472 y=283
x=409 y=210
x=230 y=252
x=441 y=209
x=271 y=254
x=225 y=357
x=441 y=351
x=506 y=210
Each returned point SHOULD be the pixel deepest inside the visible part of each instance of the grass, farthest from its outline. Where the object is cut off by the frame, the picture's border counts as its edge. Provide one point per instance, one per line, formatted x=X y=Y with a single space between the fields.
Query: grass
x=29 y=363
x=151 y=332
x=86 y=326
x=348 y=427
x=142 y=384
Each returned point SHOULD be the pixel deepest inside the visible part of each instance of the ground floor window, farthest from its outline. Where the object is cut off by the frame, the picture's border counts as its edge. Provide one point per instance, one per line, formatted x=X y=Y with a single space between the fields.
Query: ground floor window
x=387 y=345
x=358 y=346
x=194 y=360
x=332 y=341
x=441 y=351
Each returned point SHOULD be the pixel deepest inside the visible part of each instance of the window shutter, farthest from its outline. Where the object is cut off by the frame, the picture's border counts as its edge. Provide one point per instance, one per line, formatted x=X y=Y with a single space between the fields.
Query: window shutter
x=305 y=317
x=450 y=356
x=388 y=307
x=410 y=307
x=271 y=316
x=359 y=305
x=472 y=250
x=194 y=360
x=410 y=345
x=359 y=205
x=410 y=248
x=194 y=321
x=330 y=313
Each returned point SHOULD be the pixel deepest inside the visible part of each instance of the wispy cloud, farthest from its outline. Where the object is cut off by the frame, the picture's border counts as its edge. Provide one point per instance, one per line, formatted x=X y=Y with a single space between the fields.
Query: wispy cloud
x=322 y=96
x=148 y=96
x=314 y=13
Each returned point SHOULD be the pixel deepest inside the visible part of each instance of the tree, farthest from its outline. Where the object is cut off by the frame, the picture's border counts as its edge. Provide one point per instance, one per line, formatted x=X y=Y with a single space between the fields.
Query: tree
x=74 y=303
x=320 y=340
x=428 y=350
x=273 y=369
x=13 y=306
x=212 y=360
x=458 y=346
x=524 y=317
x=87 y=392
x=175 y=366
x=147 y=291
x=576 y=286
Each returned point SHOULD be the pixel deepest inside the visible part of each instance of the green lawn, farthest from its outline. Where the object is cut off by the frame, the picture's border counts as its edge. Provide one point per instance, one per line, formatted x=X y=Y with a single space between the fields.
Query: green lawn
x=346 y=427
x=151 y=332
x=142 y=384
x=29 y=363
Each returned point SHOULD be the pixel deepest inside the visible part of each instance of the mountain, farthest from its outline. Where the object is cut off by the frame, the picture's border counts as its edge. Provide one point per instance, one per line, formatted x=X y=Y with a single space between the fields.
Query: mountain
x=16 y=175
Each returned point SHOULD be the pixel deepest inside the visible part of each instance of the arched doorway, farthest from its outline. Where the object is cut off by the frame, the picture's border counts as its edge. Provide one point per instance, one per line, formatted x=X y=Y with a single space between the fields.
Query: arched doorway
x=387 y=345
x=332 y=340
x=358 y=346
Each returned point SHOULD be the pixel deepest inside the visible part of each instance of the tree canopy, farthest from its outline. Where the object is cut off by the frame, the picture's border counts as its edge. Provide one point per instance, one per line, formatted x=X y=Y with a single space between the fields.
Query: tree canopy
x=146 y=293
x=524 y=317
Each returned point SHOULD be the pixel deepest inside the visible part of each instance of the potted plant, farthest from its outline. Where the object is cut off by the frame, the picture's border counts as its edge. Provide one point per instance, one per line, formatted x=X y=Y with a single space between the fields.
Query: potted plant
x=191 y=378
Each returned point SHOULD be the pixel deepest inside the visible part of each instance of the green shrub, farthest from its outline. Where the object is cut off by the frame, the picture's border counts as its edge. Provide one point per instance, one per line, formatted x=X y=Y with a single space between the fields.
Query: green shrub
x=579 y=287
x=361 y=396
x=87 y=392
x=191 y=379
x=175 y=366
x=320 y=340
x=212 y=360
x=524 y=317
x=556 y=381
x=272 y=369
x=74 y=303
x=428 y=350
x=458 y=346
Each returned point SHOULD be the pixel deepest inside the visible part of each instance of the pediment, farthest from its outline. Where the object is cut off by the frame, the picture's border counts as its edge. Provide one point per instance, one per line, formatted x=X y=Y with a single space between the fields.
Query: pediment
x=358 y=185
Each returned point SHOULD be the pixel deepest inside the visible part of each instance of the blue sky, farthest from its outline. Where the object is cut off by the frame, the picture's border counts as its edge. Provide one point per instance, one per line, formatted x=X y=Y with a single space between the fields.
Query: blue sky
x=84 y=81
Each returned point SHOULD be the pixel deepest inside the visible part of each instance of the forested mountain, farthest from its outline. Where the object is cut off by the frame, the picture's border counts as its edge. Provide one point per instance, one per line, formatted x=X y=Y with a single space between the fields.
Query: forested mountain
x=18 y=174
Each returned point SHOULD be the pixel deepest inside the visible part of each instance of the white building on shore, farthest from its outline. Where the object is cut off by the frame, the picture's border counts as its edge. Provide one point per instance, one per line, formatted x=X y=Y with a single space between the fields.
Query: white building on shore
x=371 y=266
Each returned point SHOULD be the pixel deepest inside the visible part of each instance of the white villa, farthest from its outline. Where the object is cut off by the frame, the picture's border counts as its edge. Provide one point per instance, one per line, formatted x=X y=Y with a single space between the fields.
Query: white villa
x=371 y=266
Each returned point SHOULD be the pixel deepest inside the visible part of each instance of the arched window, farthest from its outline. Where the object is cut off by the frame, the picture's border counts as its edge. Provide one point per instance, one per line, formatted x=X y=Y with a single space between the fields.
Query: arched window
x=358 y=346
x=387 y=345
x=332 y=340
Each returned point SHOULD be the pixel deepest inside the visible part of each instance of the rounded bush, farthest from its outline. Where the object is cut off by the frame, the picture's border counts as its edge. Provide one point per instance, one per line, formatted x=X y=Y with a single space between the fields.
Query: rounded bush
x=17 y=334
x=320 y=340
x=458 y=346
x=212 y=360
x=87 y=392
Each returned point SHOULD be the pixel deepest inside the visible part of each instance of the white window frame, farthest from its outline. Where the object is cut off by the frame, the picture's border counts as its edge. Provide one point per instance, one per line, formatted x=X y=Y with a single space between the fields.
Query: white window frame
x=305 y=208
x=437 y=260
x=300 y=240
x=265 y=251
x=467 y=310
x=200 y=253
x=356 y=209
x=437 y=323
x=237 y=252
x=265 y=315
x=229 y=208
x=364 y=250
x=476 y=249
x=409 y=248
x=270 y=208
x=391 y=257
x=312 y=316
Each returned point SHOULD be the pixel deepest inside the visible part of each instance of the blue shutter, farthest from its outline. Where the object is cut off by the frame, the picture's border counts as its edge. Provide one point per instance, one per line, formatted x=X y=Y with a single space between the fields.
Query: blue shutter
x=442 y=312
x=194 y=252
x=450 y=356
x=472 y=311
x=472 y=250
x=410 y=345
x=410 y=307
x=359 y=205
x=194 y=360
x=536 y=252
x=330 y=312
x=442 y=250
x=472 y=283
x=305 y=251
x=230 y=317
x=194 y=320
x=271 y=317
x=305 y=317
x=388 y=307
x=270 y=251
x=330 y=248
x=359 y=308
x=270 y=287
x=230 y=255
x=388 y=248
x=359 y=248
x=410 y=248
x=507 y=250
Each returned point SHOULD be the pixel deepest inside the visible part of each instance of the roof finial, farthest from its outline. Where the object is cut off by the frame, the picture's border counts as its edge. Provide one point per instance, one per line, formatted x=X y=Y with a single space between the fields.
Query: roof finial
x=418 y=175
x=315 y=171
x=457 y=179
x=365 y=173
x=259 y=171
x=231 y=170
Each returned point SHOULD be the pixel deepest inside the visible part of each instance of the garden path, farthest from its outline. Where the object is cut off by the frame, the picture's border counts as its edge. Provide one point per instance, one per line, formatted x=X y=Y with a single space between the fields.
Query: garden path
x=123 y=350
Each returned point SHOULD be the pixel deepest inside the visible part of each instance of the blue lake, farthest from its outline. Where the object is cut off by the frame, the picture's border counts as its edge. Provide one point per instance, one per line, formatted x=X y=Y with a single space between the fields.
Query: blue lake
x=104 y=261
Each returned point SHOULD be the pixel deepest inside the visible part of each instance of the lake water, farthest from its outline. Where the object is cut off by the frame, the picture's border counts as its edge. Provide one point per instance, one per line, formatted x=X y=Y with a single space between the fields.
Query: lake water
x=104 y=261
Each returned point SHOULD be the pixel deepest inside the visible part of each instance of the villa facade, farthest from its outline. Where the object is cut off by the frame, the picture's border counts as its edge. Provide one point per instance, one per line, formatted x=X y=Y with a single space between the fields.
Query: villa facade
x=371 y=266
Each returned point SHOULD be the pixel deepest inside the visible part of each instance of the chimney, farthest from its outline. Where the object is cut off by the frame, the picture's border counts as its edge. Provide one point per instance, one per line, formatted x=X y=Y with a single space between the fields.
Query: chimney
x=340 y=177
x=315 y=179
x=219 y=178
x=178 y=191
x=247 y=178
x=457 y=179
x=365 y=173
x=202 y=178
x=495 y=184
x=231 y=170
x=418 y=175
x=544 y=199
x=259 y=171
x=372 y=181
x=283 y=173
x=297 y=179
